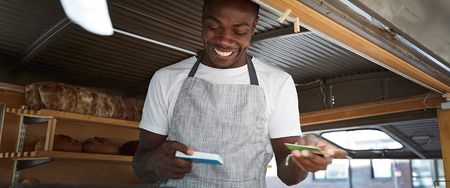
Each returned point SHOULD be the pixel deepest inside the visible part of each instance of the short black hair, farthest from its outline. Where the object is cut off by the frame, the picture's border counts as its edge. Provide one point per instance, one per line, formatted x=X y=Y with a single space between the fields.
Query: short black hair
x=256 y=6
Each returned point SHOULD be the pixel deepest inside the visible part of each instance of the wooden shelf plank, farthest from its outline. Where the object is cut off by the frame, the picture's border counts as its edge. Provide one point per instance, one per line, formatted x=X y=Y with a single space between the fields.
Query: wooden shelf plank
x=45 y=113
x=12 y=87
x=34 y=155
x=8 y=155
x=377 y=108
x=85 y=156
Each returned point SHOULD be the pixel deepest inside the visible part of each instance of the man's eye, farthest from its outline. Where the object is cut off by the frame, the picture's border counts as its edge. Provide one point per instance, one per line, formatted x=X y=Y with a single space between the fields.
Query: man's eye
x=213 y=27
x=240 y=32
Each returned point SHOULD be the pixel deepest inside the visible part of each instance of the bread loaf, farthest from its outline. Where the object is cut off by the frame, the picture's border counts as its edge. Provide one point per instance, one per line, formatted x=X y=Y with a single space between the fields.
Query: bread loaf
x=30 y=181
x=100 y=145
x=129 y=148
x=61 y=143
x=69 y=98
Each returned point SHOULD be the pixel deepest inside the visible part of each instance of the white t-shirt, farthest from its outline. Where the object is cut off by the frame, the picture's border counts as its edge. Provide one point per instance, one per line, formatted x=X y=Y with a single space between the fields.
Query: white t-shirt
x=279 y=89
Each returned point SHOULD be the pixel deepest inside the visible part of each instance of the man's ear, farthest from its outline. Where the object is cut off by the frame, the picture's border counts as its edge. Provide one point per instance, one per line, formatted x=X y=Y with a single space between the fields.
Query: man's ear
x=254 y=24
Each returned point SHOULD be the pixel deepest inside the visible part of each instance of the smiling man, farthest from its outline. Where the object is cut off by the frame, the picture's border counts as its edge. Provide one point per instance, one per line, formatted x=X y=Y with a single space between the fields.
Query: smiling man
x=227 y=31
x=225 y=102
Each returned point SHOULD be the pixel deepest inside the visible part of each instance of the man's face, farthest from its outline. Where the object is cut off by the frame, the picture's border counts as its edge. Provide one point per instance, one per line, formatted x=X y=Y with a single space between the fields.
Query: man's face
x=228 y=26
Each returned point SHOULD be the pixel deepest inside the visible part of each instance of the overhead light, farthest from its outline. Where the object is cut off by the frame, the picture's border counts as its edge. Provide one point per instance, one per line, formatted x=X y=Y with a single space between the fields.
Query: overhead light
x=92 y=15
x=421 y=139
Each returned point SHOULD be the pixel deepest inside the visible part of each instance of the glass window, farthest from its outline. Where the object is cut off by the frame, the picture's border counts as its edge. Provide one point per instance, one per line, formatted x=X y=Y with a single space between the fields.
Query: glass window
x=338 y=169
x=422 y=173
x=382 y=168
x=368 y=139
x=440 y=173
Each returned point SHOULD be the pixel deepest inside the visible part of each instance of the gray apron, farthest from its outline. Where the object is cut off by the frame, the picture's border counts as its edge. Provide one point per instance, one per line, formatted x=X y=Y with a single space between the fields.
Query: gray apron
x=229 y=120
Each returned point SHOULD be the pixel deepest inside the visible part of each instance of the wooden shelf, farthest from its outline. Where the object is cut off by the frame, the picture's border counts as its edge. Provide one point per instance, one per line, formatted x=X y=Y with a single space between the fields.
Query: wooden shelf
x=45 y=113
x=17 y=155
x=34 y=155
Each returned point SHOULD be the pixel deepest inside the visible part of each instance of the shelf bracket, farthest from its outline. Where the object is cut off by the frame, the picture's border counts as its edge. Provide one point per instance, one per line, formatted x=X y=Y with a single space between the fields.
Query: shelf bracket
x=24 y=164
x=31 y=120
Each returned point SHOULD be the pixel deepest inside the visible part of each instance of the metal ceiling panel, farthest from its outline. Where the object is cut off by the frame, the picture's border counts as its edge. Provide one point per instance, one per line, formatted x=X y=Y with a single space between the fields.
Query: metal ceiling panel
x=420 y=130
x=421 y=21
x=22 y=22
x=118 y=59
x=173 y=22
x=308 y=57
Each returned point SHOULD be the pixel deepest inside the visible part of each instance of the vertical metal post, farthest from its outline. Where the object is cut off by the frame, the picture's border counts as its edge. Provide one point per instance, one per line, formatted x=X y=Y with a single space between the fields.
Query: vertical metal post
x=350 y=178
x=2 y=117
x=394 y=170
x=19 y=148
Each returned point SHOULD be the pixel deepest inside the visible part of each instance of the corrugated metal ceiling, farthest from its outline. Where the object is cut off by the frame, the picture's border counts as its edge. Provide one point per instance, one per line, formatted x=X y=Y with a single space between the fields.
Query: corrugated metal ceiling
x=22 y=22
x=308 y=57
x=118 y=59
x=173 y=22
x=126 y=62
x=423 y=129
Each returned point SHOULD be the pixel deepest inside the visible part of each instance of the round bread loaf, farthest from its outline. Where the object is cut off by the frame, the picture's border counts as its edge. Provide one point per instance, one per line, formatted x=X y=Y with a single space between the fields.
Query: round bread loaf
x=129 y=148
x=100 y=145
x=29 y=181
x=60 y=143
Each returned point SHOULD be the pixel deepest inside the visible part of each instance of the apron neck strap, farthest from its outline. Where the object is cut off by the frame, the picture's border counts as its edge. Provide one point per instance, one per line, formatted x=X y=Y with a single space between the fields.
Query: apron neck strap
x=252 y=71
x=197 y=63
x=251 y=68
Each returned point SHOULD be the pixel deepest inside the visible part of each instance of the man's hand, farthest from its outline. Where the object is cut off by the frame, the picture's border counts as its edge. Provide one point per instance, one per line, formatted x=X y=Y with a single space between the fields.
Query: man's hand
x=167 y=165
x=155 y=159
x=311 y=162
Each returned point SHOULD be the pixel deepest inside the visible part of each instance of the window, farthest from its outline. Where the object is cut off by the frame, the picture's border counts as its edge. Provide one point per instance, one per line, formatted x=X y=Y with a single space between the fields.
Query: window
x=427 y=173
x=440 y=173
x=381 y=168
x=368 y=139
x=337 y=170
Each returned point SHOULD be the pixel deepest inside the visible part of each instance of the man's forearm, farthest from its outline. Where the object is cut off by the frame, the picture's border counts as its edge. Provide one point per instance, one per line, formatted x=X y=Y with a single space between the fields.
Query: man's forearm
x=144 y=167
x=290 y=174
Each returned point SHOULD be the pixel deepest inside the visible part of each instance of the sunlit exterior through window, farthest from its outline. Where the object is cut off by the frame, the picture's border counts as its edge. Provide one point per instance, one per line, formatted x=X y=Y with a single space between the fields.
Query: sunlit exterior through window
x=363 y=140
x=381 y=168
x=337 y=170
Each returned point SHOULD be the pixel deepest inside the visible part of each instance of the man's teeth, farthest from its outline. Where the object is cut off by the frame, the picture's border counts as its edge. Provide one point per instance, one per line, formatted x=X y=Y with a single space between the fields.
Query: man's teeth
x=223 y=54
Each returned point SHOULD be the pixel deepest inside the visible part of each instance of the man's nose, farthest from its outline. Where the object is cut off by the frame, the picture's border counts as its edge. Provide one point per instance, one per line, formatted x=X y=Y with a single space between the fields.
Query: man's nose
x=225 y=39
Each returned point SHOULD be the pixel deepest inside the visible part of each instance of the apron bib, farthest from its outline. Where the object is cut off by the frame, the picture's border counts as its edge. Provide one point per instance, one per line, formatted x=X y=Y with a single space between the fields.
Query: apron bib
x=228 y=120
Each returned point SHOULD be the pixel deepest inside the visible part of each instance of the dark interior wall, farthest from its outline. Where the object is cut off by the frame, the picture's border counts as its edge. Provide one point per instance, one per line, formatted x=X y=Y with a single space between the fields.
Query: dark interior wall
x=3 y=68
x=355 y=90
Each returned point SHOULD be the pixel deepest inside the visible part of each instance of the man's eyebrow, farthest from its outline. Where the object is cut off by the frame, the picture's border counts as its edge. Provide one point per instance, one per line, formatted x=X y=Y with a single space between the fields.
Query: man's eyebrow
x=241 y=24
x=212 y=18
x=218 y=21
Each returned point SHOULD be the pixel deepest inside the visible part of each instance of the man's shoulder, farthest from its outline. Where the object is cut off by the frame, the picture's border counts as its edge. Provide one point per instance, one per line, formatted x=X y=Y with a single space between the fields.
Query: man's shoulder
x=269 y=71
x=177 y=68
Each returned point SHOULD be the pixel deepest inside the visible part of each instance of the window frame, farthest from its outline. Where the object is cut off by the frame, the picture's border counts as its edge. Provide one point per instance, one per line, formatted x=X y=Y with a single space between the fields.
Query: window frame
x=365 y=150
x=381 y=178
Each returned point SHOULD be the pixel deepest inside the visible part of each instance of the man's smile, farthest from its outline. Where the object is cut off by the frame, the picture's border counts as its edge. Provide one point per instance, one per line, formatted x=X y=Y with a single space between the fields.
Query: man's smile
x=223 y=53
